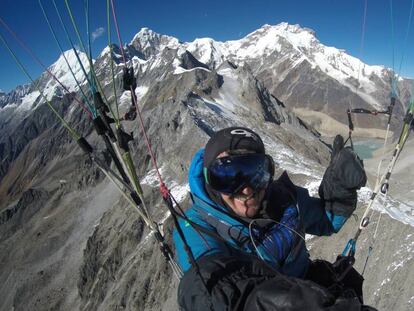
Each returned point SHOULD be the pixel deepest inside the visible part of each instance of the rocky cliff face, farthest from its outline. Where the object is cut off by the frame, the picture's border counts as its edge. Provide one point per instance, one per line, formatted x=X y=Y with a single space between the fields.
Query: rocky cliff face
x=69 y=241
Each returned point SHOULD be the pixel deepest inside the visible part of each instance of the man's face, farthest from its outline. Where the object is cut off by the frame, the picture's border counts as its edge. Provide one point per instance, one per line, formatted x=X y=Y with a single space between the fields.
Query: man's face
x=245 y=203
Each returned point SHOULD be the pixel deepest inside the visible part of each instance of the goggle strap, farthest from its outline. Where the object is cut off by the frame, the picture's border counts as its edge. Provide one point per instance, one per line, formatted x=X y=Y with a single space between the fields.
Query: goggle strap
x=205 y=173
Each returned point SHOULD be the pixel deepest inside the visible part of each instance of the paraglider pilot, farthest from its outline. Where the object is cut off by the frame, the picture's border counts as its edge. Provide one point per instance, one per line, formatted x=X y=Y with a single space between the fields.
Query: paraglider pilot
x=246 y=230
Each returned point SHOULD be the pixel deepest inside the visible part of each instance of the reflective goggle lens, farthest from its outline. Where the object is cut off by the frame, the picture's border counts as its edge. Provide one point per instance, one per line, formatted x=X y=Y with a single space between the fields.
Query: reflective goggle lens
x=232 y=173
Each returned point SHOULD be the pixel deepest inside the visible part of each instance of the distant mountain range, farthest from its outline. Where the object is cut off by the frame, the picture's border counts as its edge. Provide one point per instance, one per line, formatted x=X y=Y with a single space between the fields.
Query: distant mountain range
x=68 y=240
x=318 y=82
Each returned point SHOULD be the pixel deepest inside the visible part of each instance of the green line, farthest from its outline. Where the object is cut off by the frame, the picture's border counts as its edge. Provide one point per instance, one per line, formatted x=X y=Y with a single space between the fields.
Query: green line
x=132 y=171
x=88 y=35
x=406 y=127
x=112 y=63
x=406 y=36
x=126 y=156
x=75 y=26
x=92 y=67
x=392 y=34
x=393 y=79
x=72 y=132
x=73 y=46
x=104 y=96
x=91 y=107
x=89 y=58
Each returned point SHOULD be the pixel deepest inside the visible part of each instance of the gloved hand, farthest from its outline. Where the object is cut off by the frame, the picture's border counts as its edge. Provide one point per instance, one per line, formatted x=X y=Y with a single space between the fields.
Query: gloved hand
x=128 y=79
x=343 y=177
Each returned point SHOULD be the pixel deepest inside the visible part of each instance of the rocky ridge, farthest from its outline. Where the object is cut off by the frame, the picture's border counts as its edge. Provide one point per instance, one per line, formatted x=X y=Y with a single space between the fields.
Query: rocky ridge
x=68 y=239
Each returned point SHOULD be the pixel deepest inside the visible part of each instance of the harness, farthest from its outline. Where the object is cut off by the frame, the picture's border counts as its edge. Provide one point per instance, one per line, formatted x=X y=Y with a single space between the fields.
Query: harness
x=238 y=234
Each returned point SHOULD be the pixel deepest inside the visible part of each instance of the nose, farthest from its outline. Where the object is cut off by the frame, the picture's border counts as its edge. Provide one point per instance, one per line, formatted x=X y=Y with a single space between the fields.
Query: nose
x=247 y=191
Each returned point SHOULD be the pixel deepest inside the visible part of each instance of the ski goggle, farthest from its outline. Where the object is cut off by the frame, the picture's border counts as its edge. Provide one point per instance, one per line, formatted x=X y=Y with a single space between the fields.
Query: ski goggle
x=233 y=173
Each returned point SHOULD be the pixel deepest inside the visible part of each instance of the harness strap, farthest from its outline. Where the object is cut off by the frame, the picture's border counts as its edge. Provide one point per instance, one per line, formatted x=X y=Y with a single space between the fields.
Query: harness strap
x=226 y=231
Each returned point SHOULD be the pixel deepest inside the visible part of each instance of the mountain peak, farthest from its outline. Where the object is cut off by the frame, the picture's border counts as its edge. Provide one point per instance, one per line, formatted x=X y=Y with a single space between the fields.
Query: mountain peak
x=269 y=38
x=293 y=28
x=145 y=37
x=61 y=71
x=71 y=58
x=148 y=36
x=297 y=35
x=145 y=32
x=150 y=42
x=285 y=27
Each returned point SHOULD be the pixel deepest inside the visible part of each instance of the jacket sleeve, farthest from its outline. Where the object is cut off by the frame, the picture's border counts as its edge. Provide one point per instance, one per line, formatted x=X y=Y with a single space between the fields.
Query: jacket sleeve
x=316 y=219
x=245 y=283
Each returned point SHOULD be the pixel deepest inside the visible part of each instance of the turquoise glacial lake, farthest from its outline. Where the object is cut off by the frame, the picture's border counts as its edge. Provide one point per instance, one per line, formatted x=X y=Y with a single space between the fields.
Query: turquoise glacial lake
x=365 y=147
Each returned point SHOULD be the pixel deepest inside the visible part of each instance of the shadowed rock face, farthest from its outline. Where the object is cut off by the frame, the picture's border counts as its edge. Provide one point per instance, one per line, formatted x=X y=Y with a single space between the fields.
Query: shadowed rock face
x=313 y=90
x=69 y=241
x=190 y=62
x=31 y=197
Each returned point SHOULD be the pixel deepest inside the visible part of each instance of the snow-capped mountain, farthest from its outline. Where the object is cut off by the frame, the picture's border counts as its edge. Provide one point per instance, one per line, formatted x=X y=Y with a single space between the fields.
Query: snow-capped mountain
x=24 y=97
x=318 y=82
x=14 y=97
x=304 y=73
x=60 y=70
x=297 y=43
x=22 y=102
x=86 y=249
x=150 y=43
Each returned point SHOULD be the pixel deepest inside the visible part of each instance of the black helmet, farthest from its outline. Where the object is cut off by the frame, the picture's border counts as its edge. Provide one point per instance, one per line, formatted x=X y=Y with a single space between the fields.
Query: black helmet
x=232 y=138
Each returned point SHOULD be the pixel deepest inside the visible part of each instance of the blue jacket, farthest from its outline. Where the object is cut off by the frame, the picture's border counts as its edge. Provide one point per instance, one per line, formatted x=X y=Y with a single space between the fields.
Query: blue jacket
x=231 y=235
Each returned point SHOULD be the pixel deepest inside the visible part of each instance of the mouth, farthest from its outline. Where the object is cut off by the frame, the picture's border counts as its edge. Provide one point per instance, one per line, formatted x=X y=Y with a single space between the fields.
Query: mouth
x=243 y=199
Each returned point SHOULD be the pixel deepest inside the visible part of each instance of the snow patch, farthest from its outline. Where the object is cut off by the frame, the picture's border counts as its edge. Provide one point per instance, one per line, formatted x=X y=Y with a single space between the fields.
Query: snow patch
x=397 y=210
x=228 y=95
x=141 y=91
x=207 y=50
x=125 y=99
x=179 y=70
x=313 y=187
x=61 y=71
x=105 y=51
x=28 y=101
x=291 y=161
x=385 y=281
x=178 y=191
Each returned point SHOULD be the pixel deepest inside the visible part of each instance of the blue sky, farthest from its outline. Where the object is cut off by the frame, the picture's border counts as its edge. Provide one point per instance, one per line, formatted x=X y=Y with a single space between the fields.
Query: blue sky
x=336 y=23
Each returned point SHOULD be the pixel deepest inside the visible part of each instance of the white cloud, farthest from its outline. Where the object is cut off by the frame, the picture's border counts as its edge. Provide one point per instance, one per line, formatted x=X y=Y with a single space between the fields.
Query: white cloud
x=98 y=33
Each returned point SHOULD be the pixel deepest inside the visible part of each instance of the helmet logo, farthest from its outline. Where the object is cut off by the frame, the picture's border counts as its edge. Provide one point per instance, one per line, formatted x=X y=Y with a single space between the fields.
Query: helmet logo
x=244 y=133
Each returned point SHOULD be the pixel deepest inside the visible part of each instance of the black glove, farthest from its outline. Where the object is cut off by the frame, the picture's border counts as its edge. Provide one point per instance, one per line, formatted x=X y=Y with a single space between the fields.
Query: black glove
x=343 y=177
